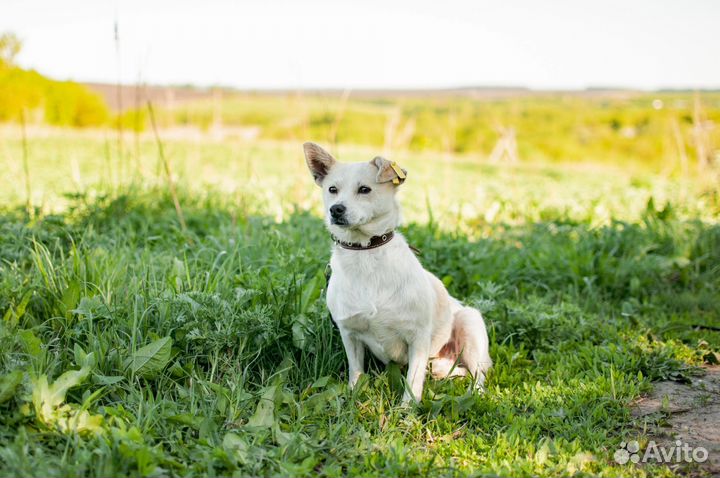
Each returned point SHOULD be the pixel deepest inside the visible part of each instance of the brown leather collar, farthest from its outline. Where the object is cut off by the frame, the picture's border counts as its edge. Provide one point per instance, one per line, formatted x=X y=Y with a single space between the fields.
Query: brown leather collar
x=375 y=241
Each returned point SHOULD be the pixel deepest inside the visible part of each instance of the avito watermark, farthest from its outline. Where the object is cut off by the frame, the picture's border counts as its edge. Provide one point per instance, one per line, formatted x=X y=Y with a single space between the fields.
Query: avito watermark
x=654 y=453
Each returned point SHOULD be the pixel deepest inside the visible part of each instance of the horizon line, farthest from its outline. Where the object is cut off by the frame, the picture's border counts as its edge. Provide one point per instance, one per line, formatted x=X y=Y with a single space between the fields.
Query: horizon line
x=409 y=89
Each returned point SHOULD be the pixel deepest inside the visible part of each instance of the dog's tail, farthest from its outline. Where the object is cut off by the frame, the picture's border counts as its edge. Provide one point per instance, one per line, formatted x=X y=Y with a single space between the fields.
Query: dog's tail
x=471 y=340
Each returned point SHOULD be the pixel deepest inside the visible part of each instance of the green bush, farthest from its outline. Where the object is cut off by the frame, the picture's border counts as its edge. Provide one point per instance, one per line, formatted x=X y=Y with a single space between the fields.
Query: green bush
x=61 y=103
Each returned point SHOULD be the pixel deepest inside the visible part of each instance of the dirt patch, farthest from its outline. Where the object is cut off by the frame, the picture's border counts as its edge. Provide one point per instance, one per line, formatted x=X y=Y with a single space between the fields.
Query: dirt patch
x=689 y=413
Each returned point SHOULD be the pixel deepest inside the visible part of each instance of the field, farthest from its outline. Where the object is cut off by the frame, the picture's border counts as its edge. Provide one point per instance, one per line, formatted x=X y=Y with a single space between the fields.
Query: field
x=144 y=339
x=620 y=127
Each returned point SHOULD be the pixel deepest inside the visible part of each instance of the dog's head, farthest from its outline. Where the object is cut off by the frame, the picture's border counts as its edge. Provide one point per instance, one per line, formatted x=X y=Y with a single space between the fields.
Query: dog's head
x=359 y=198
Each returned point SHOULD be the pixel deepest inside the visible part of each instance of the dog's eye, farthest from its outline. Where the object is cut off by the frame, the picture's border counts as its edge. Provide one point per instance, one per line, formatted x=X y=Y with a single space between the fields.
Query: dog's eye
x=364 y=190
x=332 y=190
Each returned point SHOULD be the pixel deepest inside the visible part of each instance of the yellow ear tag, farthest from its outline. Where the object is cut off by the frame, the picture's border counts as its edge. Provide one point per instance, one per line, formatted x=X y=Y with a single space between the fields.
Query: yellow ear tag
x=400 y=173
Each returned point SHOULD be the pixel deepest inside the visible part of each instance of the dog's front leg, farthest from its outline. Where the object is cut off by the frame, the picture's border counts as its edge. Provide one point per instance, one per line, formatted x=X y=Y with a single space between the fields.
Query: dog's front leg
x=418 y=355
x=355 y=351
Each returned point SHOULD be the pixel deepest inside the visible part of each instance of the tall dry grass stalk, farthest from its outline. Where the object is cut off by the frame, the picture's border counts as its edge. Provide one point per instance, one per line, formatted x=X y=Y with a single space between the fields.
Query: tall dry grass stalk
x=217 y=113
x=107 y=173
x=680 y=145
x=137 y=125
x=449 y=135
x=505 y=149
x=304 y=115
x=701 y=135
x=391 y=126
x=168 y=171
x=338 y=118
x=118 y=94
x=26 y=165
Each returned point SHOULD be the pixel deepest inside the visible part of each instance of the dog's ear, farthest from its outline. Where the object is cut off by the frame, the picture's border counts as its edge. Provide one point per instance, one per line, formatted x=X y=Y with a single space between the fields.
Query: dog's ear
x=318 y=160
x=389 y=171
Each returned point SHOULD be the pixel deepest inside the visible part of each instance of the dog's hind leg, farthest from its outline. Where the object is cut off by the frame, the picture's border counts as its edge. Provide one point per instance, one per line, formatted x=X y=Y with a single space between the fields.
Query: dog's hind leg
x=472 y=339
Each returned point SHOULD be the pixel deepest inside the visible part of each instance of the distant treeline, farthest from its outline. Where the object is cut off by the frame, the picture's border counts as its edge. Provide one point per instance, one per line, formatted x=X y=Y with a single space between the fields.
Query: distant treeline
x=26 y=95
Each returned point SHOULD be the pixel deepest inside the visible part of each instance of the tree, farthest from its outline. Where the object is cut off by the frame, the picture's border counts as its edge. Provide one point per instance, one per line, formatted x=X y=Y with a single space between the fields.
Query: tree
x=10 y=46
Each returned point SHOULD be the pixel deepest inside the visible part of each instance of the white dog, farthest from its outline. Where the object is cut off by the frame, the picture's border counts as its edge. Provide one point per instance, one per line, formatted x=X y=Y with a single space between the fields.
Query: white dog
x=379 y=294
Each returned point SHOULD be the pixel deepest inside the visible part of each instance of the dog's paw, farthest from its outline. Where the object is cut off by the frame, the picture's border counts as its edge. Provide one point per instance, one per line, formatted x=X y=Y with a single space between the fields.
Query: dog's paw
x=353 y=380
x=409 y=401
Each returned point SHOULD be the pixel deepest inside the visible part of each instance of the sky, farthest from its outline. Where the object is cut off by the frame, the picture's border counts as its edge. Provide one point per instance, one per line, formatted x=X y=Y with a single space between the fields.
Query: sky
x=269 y=44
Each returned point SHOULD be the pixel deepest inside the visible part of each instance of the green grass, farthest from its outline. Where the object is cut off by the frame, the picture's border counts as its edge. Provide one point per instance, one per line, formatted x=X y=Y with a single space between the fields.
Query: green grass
x=210 y=352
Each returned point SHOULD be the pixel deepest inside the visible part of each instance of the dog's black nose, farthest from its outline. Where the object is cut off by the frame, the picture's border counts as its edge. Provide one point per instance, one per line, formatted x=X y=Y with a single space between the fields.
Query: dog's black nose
x=337 y=210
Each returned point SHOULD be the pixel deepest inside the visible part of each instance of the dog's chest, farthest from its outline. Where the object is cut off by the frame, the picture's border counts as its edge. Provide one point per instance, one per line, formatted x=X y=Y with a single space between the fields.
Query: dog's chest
x=381 y=305
x=385 y=338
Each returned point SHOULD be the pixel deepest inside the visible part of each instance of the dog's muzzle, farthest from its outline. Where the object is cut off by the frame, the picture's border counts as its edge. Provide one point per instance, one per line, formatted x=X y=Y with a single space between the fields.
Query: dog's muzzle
x=337 y=215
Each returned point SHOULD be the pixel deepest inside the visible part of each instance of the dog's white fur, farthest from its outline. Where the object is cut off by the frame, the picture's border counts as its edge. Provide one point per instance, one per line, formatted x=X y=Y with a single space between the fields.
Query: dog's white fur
x=382 y=298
